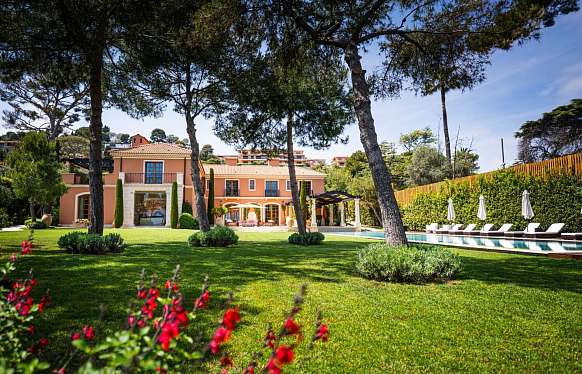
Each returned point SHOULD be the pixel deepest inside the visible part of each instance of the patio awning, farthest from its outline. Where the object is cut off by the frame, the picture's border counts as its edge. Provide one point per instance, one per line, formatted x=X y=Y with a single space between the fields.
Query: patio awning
x=333 y=197
x=244 y=206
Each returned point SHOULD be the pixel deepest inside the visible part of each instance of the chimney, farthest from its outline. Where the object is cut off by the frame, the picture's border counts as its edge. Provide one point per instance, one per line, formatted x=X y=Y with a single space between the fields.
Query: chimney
x=231 y=160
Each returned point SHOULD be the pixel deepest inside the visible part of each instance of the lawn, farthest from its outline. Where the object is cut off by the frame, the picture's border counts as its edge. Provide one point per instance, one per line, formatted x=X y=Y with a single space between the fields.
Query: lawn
x=505 y=313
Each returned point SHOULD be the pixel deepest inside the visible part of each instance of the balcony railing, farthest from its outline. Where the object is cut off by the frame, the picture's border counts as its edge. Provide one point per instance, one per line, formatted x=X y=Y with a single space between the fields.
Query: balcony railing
x=229 y=191
x=150 y=178
x=271 y=193
x=80 y=179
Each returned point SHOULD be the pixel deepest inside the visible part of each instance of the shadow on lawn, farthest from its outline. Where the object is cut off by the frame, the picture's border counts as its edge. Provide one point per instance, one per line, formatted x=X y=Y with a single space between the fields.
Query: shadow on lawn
x=525 y=271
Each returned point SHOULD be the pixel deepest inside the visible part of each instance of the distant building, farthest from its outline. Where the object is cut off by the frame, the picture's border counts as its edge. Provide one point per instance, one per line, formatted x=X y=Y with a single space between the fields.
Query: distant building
x=339 y=161
x=7 y=146
x=258 y=157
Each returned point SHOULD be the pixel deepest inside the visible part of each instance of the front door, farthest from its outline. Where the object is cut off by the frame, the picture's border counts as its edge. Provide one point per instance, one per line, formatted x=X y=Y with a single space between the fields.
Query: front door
x=150 y=209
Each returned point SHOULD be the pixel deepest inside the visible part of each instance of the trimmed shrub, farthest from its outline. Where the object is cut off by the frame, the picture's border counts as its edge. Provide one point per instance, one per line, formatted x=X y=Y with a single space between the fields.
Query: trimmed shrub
x=219 y=236
x=554 y=198
x=188 y=222
x=5 y=220
x=118 y=217
x=174 y=206
x=310 y=238
x=81 y=242
x=187 y=207
x=35 y=225
x=413 y=264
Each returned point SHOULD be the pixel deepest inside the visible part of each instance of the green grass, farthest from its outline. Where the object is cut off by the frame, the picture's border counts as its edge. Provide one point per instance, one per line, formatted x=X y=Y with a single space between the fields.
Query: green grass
x=505 y=313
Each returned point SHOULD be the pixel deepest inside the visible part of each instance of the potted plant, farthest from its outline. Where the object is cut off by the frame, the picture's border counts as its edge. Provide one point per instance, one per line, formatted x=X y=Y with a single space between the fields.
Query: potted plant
x=219 y=213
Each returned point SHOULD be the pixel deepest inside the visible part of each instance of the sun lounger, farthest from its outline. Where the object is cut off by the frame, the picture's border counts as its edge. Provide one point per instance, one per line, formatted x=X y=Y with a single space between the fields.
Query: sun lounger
x=480 y=232
x=501 y=231
x=531 y=227
x=469 y=227
x=455 y=227
x=553 y=231
x=432 y=227
x=443 y=230
x=572 y=235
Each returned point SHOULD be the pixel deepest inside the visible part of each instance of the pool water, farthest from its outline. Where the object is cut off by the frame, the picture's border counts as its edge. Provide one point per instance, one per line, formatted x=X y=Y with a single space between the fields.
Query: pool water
x=516 y=245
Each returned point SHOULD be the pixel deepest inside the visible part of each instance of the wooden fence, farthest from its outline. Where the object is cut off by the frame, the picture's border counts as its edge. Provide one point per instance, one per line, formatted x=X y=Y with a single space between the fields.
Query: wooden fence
x=570 y=164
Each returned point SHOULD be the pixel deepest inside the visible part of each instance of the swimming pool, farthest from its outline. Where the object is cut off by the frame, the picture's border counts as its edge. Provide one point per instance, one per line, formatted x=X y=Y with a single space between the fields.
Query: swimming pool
x=498 y=244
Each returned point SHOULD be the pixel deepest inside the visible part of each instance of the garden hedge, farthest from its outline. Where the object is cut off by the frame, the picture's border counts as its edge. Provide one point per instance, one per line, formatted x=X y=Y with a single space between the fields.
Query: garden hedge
x=554 y=198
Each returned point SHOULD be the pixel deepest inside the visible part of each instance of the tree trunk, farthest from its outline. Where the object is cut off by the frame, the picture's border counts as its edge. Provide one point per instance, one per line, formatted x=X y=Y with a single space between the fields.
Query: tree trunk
x=446 y=128
x=95 y=130
x=201 y=213
x=391 y=220
x=293 y=176
x=32 y=211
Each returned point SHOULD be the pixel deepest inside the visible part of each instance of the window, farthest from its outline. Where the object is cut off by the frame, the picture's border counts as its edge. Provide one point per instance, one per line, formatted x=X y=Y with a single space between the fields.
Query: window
x=83 y=206
x=307 y=187
x=231 y=187
x=288 y=185
x=271 y=188
x=252 y=185
x=154 y=172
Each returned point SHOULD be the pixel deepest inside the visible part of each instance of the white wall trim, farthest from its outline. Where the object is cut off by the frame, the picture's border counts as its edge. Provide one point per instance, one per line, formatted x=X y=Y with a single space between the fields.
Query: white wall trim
x=77 y=204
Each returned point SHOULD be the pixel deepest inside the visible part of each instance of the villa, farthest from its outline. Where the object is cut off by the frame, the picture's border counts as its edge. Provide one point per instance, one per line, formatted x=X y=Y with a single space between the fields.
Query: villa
x=253 y=194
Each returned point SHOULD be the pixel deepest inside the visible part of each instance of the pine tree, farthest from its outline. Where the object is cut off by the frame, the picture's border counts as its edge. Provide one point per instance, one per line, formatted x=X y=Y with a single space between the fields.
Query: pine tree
x=174 y=206
x=118 y=218
x=211 y=197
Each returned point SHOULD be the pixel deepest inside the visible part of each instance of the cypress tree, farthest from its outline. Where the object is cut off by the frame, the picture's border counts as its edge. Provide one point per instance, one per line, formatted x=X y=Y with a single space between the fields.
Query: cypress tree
x=174 y=206
x=118 y=219
x=303 y=200
x=211 y=197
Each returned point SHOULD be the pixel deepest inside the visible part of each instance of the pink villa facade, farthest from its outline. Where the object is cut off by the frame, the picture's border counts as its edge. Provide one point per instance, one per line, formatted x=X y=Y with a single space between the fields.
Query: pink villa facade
x=257 y=194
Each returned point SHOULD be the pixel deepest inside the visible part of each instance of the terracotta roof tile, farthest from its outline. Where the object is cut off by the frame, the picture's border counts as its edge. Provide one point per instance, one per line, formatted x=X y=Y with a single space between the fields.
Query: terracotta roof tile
x=153 y=149
x=259 y=170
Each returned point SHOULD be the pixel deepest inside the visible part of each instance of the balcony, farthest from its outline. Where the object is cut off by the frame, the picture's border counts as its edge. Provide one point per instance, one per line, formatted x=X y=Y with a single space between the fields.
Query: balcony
x=271 y=193
x=231 y=192
x=150 y=178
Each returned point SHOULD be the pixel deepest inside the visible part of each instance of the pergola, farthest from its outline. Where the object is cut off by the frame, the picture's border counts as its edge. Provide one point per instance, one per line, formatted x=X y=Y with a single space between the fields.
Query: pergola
x=335 y=197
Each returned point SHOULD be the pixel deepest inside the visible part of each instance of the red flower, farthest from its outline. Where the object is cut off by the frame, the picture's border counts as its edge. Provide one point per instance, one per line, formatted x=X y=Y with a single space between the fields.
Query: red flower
x=13 y=258
x=171 y=285
x=170 y=330
x=221 y=336
x=291 y=327
x=26 y=247
x=75 y=336
x=154 y=293
x=43 y=342
x=161 y=371
x=270 y=339
x=249 y=370
x=88 y=332
x=60 y=371
x=322 y=333
x=142 y=294
x=23 y=306
x=202 y=301
x=226 y=361
x=273 y=366
x=231 y=318
x=141 y=323
x=44 y=301
x=31 y=329
x=284 y=354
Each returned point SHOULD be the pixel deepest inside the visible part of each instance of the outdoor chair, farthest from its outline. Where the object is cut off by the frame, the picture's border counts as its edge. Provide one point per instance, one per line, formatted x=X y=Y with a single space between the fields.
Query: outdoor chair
x=502 y=230
x=447 y=228
x=553 y=231
x=469 y=227
x=572 y=235
x=531 y=227
x=486 y=228
x=431 y=228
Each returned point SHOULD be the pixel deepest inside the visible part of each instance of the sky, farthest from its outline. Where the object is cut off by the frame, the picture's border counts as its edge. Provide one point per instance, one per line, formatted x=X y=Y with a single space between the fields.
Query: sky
x=521 y=85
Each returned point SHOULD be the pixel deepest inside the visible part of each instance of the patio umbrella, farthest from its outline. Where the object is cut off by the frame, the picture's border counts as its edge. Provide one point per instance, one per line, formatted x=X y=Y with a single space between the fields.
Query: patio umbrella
x=526 y=210
x=482 y=213
x=451 y=211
